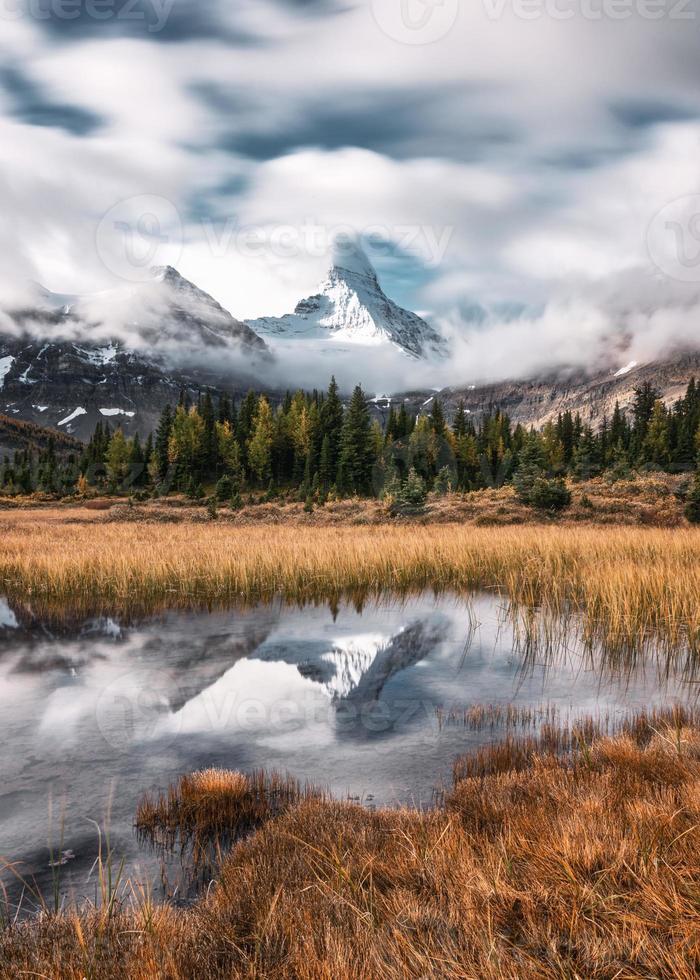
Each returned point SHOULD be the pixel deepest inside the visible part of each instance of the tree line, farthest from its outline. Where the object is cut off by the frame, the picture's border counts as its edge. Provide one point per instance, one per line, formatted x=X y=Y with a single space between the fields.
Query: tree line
x=312 y=447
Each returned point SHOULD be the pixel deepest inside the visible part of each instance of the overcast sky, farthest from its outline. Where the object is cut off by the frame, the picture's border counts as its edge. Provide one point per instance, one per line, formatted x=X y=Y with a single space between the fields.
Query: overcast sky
x=524 y=172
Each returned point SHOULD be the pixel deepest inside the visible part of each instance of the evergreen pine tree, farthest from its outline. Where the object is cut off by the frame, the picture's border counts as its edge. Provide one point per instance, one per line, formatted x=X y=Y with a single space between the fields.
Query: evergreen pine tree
x=586 y=460
x=162 y=442
x=692 y=500
x=356 y=447
x=531 y=466
x=331 y=423
x=403 y=424
x=459 y=426
x=326 y=470
x=137 y=463
x=437 y=418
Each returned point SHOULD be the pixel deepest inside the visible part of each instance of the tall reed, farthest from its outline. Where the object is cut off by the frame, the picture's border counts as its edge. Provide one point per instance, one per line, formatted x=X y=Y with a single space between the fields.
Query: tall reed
x=630 y=586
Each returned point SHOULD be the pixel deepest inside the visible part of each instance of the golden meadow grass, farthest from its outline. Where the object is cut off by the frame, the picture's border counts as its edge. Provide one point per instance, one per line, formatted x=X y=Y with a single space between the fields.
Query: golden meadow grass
x=631 y=585
x=568 y=856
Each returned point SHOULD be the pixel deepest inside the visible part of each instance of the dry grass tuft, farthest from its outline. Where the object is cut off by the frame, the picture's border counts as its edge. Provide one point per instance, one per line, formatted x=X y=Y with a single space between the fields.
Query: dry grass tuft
x=579 y=863
x=215 y=807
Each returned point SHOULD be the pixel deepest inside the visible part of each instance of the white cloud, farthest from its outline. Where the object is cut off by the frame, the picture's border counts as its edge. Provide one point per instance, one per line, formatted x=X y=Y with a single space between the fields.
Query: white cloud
x=503 y=136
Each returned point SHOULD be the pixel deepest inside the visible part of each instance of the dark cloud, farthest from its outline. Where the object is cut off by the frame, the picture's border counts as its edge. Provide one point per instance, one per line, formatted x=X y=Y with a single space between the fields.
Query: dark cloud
x=165 y=21
x=212 y=205
x=32 y=105
x=403 y=125
x=315 y=6
x=640 y=113
x=586 y=158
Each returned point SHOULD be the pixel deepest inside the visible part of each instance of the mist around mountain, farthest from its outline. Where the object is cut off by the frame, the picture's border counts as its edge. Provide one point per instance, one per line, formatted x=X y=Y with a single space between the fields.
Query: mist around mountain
x=119 y=356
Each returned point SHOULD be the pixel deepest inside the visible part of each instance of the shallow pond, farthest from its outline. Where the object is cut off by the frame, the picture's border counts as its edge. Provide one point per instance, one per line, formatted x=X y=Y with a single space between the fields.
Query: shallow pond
x=95 y=713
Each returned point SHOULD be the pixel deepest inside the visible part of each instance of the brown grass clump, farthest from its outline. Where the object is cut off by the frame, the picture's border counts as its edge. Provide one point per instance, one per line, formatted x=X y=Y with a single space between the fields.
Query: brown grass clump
x=582 y=864
x=215 y=807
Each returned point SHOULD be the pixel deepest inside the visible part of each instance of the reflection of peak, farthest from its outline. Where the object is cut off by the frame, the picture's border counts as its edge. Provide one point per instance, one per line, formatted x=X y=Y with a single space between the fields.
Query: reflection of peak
x=350 y=659
x=358 y=667
x=8 y=620
x=196 y=674
x=406 y=649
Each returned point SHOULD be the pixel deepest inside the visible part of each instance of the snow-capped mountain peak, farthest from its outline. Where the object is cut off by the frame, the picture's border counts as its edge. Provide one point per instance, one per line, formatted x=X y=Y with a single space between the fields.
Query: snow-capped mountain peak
x=352 y=308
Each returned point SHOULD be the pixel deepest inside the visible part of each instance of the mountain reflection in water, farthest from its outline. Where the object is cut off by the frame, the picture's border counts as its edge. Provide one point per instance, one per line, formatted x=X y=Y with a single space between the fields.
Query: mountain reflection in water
x=95 y=713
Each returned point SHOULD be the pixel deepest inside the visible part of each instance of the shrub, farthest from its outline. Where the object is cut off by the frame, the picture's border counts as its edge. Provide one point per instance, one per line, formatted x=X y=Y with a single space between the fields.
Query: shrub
x=410 y=498
x=224 y=489
x=195 y=491
x=443 y=481
x=524 y=481
x=550 y=494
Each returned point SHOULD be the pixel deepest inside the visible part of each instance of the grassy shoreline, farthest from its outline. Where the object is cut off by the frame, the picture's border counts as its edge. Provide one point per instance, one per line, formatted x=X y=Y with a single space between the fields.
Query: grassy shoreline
x=568 y=855
x=630 y=587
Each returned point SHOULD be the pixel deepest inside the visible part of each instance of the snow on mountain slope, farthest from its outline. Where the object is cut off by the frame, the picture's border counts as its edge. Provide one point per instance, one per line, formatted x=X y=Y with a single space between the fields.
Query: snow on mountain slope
x=352 y=308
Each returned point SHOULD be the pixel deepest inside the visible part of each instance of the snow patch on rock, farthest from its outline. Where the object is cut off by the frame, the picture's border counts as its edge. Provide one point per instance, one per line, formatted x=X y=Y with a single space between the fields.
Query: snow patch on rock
x=74 y=415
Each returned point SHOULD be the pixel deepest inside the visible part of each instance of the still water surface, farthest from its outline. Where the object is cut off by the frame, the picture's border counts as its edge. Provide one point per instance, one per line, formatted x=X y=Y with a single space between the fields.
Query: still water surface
x=95 y=713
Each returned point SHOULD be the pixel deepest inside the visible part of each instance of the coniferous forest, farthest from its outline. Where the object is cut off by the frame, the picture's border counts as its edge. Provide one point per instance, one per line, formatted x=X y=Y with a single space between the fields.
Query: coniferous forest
x=312 y=447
